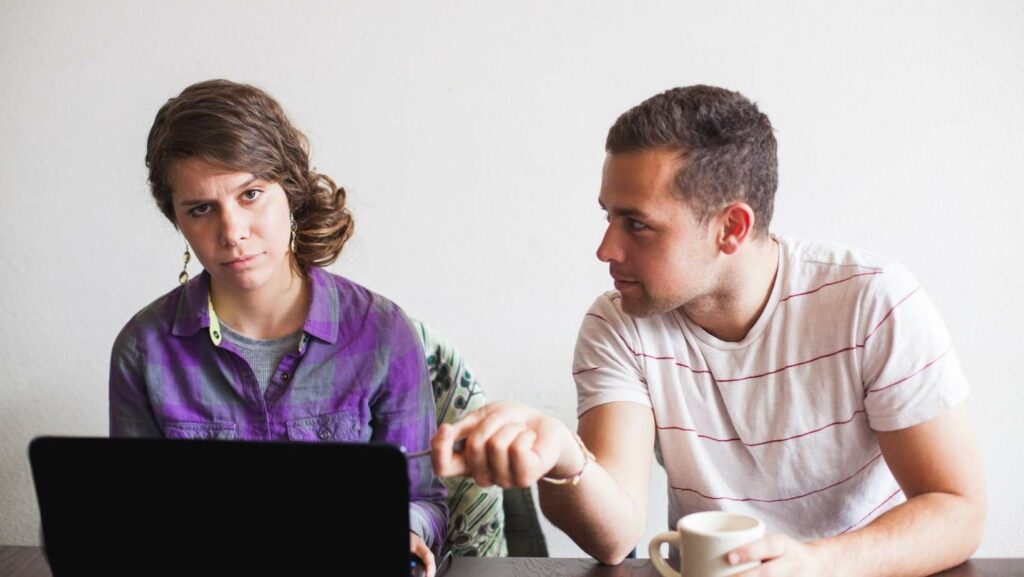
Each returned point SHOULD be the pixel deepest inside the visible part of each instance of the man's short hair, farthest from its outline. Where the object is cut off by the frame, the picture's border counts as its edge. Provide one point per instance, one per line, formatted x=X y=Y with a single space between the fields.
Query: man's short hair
x=726 y=145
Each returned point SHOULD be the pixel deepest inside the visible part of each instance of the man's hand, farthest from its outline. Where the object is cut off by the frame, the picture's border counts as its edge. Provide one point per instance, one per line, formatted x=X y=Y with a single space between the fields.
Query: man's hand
x=506 y=444
x=780 y=556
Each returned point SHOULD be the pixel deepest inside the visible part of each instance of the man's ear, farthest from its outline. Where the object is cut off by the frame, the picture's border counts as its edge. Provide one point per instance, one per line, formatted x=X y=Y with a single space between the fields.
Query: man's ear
x=735 y=225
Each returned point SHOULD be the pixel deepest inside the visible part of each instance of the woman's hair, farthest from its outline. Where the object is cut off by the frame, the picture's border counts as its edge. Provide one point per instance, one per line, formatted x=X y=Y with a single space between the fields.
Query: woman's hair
x=242 y=128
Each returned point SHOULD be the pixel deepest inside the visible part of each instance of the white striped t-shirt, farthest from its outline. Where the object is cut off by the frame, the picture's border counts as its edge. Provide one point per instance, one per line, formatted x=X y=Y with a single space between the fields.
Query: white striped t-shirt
x=780 y=425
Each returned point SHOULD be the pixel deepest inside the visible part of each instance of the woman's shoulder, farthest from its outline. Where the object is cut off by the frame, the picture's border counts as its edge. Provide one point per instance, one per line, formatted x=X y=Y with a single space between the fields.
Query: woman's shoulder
x=155 y=318
x=158 y=315
x=356 y=300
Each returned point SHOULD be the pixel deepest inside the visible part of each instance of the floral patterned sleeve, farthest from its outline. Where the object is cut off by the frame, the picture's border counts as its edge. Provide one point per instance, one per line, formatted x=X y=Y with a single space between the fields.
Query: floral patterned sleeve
x=476 y=522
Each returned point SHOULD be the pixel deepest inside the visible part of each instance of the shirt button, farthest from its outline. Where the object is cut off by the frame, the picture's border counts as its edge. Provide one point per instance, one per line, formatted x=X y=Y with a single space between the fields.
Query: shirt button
x=323 y=435
x=285 y=376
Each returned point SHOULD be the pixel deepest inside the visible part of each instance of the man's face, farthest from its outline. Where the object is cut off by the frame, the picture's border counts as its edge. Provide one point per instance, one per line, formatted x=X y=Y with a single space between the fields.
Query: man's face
x=659 y=254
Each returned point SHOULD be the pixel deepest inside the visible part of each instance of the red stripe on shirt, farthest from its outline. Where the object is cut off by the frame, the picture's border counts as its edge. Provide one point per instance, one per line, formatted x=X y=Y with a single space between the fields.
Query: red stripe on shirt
x=915 y=373
x=765 y=374
x=789 y=366
x=781 y=499
x=758 y=444
x=621 y=339
x=836 y=264
x=782 y=300
x=886 y=317
x=887 y=499
x=673 y=359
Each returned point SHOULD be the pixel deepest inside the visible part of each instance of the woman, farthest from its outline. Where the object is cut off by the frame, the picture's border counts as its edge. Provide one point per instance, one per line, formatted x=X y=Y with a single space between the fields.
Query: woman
x=264 y=344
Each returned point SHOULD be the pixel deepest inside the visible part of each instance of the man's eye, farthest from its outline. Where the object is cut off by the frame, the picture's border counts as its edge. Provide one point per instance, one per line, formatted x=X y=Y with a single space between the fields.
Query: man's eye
x=636 y=225
x=252 y=194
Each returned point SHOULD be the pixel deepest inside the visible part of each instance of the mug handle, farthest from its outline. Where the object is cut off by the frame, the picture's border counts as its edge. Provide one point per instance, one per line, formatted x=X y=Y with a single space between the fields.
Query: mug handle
x=654 y=550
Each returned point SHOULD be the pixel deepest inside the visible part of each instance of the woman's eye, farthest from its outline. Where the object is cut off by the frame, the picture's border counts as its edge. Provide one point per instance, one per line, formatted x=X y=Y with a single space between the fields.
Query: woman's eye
x=252 y=194
x=199 y=210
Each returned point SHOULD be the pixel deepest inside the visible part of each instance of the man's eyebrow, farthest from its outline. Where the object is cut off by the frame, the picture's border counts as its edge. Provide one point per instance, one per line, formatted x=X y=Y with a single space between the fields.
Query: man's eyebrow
x=626 y=211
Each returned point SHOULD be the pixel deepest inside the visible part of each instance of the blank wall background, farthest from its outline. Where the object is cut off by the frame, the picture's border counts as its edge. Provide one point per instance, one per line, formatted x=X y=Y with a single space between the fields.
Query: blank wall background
x=470 y=138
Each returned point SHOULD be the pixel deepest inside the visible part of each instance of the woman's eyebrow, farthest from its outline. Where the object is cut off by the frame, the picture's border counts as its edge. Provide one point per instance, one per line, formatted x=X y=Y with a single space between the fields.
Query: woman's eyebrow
x=203 y=200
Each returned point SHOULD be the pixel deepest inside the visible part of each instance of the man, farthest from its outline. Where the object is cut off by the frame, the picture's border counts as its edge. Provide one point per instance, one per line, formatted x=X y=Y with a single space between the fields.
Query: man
x=810 y=385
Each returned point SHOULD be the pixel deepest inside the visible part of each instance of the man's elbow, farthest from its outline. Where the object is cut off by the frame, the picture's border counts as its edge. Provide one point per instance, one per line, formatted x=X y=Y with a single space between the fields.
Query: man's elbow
x=614 y=551
x=963 y=520
x=612 y=556
x=608 y=548
x=974 y=527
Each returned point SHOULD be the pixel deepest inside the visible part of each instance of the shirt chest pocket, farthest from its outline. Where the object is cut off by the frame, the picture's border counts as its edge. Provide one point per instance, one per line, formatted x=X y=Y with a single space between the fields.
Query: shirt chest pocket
x=336 y=427
x=207 y=431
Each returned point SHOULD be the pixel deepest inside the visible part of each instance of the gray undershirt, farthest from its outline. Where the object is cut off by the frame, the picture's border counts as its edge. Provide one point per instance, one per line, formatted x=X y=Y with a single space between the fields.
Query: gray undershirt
x=263 y=356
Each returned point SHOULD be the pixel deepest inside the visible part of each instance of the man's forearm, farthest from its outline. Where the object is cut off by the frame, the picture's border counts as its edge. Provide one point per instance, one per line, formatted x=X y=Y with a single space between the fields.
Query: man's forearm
x=927 y=534
x=597 y=514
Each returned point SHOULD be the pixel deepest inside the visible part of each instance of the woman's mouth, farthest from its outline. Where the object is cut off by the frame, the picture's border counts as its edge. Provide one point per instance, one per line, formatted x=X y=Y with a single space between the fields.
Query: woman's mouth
x=241 y=262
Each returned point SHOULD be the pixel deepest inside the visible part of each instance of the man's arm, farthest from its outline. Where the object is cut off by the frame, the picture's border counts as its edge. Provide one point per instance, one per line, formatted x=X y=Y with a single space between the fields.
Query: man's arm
x=938 y=466
x=606 y=513
x=510 y=444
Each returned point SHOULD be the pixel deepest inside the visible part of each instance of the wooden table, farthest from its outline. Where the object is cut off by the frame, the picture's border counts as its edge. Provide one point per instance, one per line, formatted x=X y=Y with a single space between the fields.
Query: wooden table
x=29 y=562
x=526 y=567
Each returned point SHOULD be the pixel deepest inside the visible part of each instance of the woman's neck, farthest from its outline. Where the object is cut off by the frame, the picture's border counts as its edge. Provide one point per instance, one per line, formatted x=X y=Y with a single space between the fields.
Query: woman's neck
x=273 y=311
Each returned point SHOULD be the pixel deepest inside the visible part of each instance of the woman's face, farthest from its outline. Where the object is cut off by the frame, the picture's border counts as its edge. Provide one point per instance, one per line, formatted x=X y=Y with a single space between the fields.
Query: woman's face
x=237 y=225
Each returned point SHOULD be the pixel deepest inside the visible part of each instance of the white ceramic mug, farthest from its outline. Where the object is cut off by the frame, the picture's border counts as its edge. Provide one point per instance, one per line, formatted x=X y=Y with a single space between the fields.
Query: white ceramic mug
x=703 y=539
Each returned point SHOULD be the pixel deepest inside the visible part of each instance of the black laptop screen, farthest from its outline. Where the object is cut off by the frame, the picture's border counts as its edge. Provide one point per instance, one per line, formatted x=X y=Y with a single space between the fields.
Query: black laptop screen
x=160 y=506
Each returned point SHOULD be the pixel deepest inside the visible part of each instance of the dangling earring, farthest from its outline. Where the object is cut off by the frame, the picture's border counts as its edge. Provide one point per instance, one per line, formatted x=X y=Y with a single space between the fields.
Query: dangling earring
x=294 y=227
x=183 y=277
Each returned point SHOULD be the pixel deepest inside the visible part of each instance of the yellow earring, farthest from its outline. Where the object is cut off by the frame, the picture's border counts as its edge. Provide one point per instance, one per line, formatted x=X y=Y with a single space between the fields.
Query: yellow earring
x=294 y=227
x=183 y=277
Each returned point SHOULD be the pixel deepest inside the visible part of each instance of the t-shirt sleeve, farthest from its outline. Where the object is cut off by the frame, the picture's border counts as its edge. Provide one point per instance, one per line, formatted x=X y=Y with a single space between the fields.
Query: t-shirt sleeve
x=606 y=367
x=910 y=370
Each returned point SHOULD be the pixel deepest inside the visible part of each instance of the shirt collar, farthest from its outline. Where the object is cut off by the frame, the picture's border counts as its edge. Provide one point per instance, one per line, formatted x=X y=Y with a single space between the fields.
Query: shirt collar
x=322 y=321
x=192 y=315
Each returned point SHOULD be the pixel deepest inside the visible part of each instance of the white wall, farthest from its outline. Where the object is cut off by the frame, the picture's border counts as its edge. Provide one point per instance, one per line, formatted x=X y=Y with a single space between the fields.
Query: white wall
x=470 y=135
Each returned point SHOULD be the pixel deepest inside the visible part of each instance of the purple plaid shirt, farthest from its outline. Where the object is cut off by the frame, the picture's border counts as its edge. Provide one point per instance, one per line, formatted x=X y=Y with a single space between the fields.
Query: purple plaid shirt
x=358 y=375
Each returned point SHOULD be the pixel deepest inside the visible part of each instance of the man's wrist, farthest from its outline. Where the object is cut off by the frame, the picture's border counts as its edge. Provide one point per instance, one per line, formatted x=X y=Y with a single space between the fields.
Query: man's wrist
x=829 y=554
x=572 y=474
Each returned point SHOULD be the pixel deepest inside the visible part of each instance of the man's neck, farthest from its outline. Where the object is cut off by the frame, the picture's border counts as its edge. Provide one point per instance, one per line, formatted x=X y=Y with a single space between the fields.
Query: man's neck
x=745 y=287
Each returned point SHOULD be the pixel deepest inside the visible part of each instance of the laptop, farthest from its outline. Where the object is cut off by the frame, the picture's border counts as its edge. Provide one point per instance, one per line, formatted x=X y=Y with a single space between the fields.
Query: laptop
x=187 y=507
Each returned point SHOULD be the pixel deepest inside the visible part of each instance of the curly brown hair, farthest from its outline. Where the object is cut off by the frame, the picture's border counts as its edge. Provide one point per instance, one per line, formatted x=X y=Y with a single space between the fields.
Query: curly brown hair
x=240 y=127
x=727 y=144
